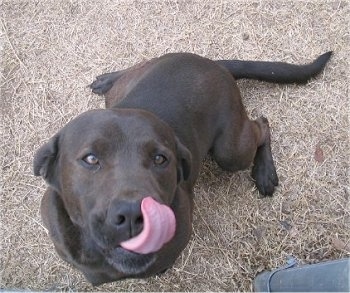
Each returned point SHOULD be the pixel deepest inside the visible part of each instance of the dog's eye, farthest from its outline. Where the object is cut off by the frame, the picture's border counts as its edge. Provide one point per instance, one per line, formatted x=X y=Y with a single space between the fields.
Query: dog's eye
x=159 y=159
x=91 y=159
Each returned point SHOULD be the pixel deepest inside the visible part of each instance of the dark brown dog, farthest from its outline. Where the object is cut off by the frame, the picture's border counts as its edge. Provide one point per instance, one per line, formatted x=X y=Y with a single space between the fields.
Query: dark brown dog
x=163 y=117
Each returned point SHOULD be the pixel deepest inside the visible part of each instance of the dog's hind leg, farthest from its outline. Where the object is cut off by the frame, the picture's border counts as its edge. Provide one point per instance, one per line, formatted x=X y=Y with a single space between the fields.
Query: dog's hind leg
x=237 y=150
x=264 y=170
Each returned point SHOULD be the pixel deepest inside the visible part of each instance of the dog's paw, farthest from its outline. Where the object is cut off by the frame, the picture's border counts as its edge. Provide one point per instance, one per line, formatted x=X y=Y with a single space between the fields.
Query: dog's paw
x=101 y=86
x=162 y=272
x=265 y=176
x=104 y=83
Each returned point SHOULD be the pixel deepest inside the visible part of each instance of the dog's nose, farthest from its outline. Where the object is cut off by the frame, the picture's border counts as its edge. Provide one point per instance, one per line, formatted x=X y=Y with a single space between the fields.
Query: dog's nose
x=126 y=218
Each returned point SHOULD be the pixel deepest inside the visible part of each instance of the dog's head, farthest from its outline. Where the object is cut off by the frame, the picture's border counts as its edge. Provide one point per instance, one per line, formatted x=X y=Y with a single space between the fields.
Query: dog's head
x=114 y=175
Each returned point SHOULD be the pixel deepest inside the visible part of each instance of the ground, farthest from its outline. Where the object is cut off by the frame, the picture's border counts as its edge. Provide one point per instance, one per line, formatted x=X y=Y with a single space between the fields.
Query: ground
x=51 y=51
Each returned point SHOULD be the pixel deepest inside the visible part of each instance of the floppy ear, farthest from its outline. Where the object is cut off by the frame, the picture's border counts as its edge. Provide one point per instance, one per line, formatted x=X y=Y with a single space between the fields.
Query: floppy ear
x=184 y=159
x=45 y=159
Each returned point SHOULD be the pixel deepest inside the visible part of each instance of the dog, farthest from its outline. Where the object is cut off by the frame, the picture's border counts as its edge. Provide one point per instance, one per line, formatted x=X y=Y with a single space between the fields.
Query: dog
x=120 y=180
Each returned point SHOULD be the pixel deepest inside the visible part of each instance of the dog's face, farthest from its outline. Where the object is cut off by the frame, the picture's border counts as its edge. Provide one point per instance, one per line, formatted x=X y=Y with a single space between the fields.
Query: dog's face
x=100 y=167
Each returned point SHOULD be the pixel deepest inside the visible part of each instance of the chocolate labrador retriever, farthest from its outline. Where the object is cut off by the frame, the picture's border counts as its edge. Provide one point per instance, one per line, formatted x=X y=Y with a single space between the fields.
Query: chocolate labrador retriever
x=120 y=180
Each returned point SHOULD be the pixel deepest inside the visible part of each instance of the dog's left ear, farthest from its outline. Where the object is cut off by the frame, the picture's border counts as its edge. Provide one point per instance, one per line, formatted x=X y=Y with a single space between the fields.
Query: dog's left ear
x=45 y=159
x=184 y=161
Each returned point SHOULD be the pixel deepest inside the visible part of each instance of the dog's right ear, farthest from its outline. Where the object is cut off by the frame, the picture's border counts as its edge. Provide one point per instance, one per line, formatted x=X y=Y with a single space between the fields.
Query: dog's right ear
x=184 y=161
x=45 y=160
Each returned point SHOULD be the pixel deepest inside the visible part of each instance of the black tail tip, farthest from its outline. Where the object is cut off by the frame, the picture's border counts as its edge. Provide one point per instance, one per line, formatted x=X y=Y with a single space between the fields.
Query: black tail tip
x=323 y=59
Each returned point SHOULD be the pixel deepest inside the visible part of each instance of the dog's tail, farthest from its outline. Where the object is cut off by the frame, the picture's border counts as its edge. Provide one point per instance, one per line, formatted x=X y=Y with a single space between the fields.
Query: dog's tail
x=278 y=72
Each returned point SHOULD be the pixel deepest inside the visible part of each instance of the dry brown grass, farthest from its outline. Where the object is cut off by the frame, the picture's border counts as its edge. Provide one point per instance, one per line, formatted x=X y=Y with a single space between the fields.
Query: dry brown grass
x=50 y=51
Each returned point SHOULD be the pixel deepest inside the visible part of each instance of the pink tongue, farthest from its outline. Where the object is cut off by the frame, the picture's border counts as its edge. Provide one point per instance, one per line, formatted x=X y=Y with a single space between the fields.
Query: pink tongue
x=158 y=228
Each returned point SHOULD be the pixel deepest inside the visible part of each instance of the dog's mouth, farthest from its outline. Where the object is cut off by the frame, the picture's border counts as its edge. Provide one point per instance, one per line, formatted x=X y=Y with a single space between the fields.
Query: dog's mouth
x=129 y=262
x=137 y=254
x=159 y=225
